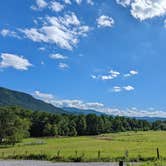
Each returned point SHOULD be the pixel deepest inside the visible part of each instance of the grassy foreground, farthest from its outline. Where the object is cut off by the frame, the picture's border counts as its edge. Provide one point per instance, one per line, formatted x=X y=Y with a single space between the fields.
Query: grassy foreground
x=130 y=146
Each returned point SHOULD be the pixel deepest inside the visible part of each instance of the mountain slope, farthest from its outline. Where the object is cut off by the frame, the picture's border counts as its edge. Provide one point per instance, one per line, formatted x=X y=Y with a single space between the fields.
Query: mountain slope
x=14 y=98
x=81 y=111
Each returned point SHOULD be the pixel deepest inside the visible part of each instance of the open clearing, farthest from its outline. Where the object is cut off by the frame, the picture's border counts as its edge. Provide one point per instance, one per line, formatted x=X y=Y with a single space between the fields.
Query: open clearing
x=132 y=145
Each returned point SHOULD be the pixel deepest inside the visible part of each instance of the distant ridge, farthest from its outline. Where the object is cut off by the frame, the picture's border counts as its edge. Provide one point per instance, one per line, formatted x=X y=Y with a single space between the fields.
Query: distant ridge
x=81 y=111
x=14 y=98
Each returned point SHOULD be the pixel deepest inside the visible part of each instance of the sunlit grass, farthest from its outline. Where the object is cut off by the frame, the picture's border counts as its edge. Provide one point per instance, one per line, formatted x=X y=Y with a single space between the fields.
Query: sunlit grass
x=129 y=145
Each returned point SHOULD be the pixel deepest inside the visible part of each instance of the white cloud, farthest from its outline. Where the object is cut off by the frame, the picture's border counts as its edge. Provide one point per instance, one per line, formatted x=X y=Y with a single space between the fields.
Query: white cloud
x=117 y=89
x=130 y=112
x=49 y=98
x=44 y=96
x=58 y=56
x=65 y=31
x=93 y=76
x=134 y=112
x=120 y=89
x=131 y=73
x=106 y=77
x=128 y=88
x=7 y=32
x=112 y=74
x=40 y=4
x=105 y=21
x=63 y=66
x=14 y=61
x=78 y=1
x=56 y=6
x=145 y=9
x=90 y=2
x=42 y=48
x=124 y=3
x=67 y=1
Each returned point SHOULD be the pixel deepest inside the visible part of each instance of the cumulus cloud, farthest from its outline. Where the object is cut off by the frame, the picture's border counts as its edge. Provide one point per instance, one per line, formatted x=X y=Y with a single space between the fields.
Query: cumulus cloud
x=120 y=89
x=128 y=88
x=65 y=31
x=49 y=98
x=63 y=66
x=145 y=9
x=134 y=112
x=106 y=77
x=129 y=112
x=105 y=21
x=44 y=96
x=56 y=6
x=112 y=74
x=117 y=89
x=124 y=3
x=131 y=73
x=40 y=4
x=58 y=56
x=14 y=61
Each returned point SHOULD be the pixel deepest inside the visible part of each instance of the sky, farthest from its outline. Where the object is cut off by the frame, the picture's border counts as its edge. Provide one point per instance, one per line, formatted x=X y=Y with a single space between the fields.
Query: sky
x=107 y=55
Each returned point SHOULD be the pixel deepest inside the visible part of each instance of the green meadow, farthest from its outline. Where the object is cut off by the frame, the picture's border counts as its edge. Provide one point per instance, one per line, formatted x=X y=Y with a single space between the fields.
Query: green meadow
x=130 y=146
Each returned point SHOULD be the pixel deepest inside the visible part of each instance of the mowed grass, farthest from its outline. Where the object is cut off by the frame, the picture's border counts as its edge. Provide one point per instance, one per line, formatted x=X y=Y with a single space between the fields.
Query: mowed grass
x=112 y=146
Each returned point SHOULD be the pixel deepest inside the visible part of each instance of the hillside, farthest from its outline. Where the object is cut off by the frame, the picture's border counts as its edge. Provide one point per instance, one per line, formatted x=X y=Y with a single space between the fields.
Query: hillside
x=81 y=111
x=14 y=98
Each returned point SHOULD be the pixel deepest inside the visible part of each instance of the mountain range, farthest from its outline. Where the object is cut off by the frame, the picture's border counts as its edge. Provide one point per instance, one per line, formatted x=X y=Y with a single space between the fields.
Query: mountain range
x=15 y=98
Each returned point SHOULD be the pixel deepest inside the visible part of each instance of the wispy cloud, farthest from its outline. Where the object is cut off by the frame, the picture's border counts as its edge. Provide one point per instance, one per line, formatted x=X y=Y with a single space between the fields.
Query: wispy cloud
x=58 y=56
x=63 y=66
x=9 y=33
x=131 y=73
x=116 y=89
x=62 y=31
x=124 y=88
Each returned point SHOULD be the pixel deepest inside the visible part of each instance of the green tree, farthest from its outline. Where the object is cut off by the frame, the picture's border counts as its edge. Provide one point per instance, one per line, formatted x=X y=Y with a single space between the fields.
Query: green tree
x=12 y=128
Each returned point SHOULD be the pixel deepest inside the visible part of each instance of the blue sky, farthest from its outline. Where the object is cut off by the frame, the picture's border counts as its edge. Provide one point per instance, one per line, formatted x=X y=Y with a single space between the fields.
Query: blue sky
x=92 y=54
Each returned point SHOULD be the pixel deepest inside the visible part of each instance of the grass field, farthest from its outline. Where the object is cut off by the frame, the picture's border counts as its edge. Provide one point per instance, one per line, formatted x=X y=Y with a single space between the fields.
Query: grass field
x=132 y=146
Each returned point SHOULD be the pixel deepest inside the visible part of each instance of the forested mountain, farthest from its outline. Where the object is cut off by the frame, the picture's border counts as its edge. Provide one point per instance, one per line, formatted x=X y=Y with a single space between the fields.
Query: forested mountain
x=14 y=98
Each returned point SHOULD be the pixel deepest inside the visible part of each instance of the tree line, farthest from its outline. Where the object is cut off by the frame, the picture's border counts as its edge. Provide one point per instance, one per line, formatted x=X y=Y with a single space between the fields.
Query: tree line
x=17 y=123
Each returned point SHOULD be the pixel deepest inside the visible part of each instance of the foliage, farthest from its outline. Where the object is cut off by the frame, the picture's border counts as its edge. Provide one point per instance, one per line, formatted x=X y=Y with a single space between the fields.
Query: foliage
x=12 y=127
x=16 y=123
